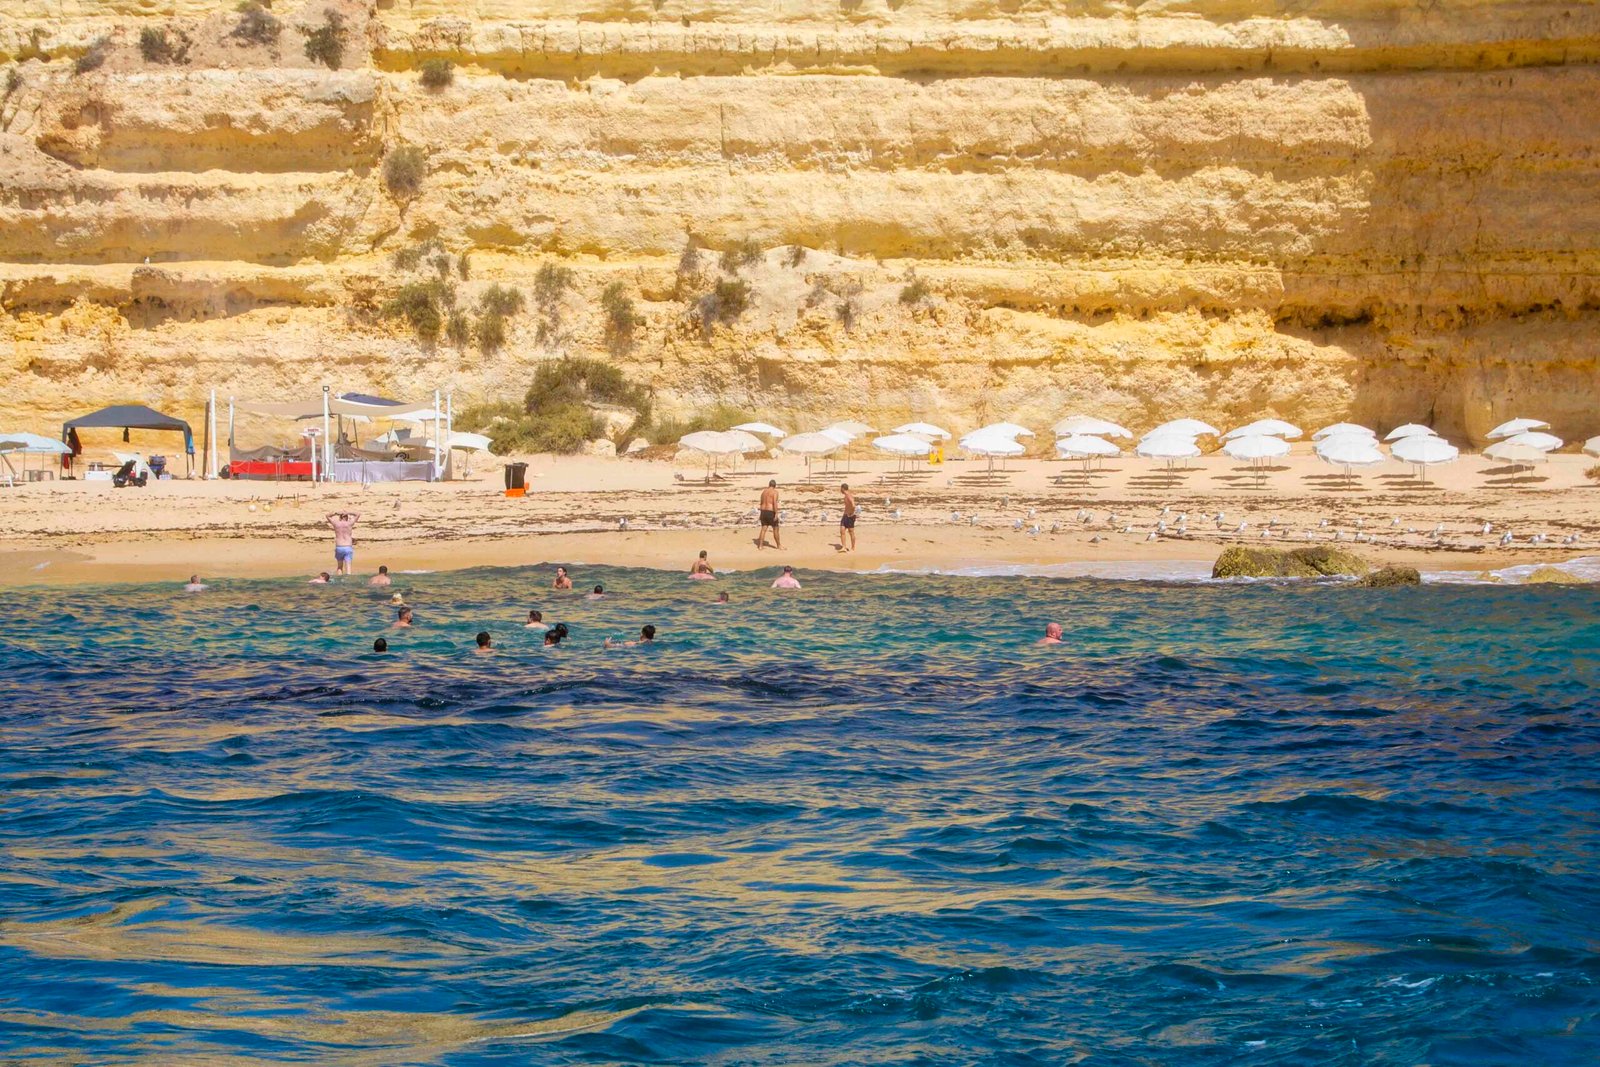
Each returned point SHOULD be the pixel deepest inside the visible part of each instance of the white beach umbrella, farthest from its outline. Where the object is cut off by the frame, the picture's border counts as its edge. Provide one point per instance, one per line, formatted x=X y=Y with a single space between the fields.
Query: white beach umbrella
x=1516 y=426
x=923 y=429
x=1424 y=450
x=1002 y=431
x=1169 y=447
x=1266 y=428
x=1183 y=428
x=1350 y=450
x=838 y=435
x=1088 y=424
x=1592 y=446
x=903 y=444
x=852 y=427
x=1085 y=446
x=1544 y=442
x=812 y=444
x=746 y=441
x=1254 y=448
x=1410 y=429
x=1343 y=429
x=23 y=441
x=992 y=445
x=1516 y=455
x=710 y=442
x=765 y=429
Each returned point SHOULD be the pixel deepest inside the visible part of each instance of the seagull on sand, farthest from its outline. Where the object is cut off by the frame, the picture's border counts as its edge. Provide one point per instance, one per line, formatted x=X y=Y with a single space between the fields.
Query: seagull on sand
x=1505 y=538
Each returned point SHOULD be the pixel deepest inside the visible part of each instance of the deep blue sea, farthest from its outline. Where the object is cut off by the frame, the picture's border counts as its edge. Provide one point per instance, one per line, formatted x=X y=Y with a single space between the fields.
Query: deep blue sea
x=866 y=823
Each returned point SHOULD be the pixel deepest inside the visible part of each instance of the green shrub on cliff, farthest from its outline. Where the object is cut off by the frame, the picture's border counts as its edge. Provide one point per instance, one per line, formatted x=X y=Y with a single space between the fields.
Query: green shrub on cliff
x=403 y=170
x=156 y=45
x=95 y=57
x=742 y=254
x=423 y=305
x=556 y=413
x=438 y=73
x=726 y=301
x=621 y=318
x=325 y=44
x=915 y=292
x=256 y=24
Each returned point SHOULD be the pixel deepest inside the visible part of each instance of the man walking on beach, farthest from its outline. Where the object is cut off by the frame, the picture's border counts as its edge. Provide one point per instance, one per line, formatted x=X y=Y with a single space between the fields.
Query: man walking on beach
x=769 y=515
x=847 y=521
x=344 y=539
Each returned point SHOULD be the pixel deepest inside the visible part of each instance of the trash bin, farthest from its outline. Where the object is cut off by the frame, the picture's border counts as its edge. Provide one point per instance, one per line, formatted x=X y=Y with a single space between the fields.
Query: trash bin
x=516 y=476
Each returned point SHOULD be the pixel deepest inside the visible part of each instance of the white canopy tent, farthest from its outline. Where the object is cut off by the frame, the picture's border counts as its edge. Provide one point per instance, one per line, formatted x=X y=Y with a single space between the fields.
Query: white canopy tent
x=24 y=444
x=329 y=406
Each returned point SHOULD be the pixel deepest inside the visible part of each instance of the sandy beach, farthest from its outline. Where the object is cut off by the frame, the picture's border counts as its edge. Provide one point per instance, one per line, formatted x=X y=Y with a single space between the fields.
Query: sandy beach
x=67 y=531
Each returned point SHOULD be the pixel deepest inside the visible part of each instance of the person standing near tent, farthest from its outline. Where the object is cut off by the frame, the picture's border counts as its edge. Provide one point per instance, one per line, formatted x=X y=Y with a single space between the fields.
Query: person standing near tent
x=769 y=516
x=344 y=539
x=847 y=521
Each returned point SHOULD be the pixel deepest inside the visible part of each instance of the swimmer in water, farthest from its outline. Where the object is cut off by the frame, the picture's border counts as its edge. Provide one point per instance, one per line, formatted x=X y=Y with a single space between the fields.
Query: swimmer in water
x=786 y=580
x=535 y=620
x=555 y=634
x=402 y=620
x=321 y=579
x=562 y=581
x=598 y=594
x=485 y=642
x=647 y=636
x=382 y=577
x=702 y=568
x=380 y=645
x=1052 y=634
x=722 y=598
x=195 y=585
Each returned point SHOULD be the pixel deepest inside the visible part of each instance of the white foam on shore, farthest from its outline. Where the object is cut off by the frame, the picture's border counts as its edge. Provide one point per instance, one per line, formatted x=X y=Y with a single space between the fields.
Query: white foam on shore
x=1585 y=567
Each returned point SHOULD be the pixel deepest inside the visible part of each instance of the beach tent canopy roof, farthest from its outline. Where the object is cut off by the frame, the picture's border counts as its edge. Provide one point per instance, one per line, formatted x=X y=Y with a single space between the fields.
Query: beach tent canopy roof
x=127 y=417
x=345 y=404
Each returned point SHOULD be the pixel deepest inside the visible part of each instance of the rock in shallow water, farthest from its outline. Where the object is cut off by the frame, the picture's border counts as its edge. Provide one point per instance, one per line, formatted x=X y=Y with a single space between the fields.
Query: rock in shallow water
x=1389 y=577
x=1318 y=561
x=1553 y=576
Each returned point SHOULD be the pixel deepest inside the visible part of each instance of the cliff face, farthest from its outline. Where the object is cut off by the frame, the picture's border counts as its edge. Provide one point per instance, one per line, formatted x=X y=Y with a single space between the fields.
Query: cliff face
x=956 y=210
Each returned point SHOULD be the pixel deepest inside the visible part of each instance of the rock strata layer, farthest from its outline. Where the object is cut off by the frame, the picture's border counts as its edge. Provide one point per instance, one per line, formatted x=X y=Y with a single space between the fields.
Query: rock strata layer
x=953 y=210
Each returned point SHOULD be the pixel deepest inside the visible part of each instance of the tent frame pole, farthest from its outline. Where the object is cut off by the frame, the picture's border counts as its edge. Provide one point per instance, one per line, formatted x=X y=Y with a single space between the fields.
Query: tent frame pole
x=326 y=447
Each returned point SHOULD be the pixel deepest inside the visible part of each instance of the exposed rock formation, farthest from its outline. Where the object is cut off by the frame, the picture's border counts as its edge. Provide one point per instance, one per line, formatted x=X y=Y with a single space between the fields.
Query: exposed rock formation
x=1318 y=561
x=1312 y=209
x=1553 y=576
x=1390 y=577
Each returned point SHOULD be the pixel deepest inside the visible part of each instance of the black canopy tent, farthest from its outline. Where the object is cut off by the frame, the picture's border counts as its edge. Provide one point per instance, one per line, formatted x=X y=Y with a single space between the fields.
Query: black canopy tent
x=126 y=417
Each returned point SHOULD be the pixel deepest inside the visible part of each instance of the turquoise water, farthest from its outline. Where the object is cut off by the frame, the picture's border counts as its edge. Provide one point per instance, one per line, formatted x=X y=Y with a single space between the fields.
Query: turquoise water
x=866 y=823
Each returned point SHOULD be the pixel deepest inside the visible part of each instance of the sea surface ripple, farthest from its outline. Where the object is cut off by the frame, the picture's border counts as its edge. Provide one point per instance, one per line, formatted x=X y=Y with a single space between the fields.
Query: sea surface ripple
x=868 y=823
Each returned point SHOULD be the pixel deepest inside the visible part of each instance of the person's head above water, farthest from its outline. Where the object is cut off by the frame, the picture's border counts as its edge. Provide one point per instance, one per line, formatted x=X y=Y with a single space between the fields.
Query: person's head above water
x=383 y=569
x=599 y=590
x=554 y=635
x=648 y=633
x=722 y=598
x=483 y=639
x=535 y=615
x=788 y=569
x=404 y=615
x=1052 y=634
x=380 y=645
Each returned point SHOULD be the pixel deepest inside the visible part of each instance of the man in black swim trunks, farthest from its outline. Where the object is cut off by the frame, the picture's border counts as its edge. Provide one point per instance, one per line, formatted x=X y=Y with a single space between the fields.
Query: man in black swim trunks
x=769 y=515
x=847 y=521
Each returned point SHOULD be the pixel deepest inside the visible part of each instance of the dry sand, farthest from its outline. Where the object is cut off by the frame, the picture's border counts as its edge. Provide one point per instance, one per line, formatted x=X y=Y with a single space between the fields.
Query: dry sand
x=88 y=531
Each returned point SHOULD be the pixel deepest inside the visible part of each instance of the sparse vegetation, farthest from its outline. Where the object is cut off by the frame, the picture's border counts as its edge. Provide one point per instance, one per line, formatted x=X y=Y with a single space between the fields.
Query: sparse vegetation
x=915 y=292
x=556 y=416
x=441 y=263
x=504 y=300
x=156 y=45
x=689 y=258
x=621 y=318
x=256 y=24
x=726 y=301
x=458 y=329
x=846 y=312
x=13 y=80
x=1593 y=473
x=462 y=268
x=403 y=170
x=94 y=58
x=670 y=430
x=742 y=254
x=491 y=330
x=549 y=284
x=795 y=256
x=438 y=73
x=423 y=305
x=325 y=44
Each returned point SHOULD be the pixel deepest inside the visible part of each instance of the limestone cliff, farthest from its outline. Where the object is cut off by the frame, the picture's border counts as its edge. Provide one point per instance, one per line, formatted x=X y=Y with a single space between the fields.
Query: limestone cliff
x=946 y=209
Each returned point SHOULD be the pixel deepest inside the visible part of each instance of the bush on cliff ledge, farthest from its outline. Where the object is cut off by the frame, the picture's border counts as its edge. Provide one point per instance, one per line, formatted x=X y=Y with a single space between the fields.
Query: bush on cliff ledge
x=438 y=73
x=257 y=25
x=156 y=45
x=95 y=57
x=557 y=413
x=325 y=44
x=403 y=170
